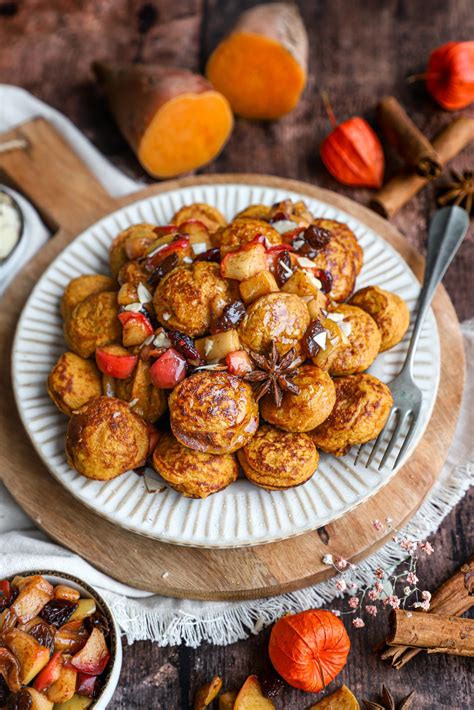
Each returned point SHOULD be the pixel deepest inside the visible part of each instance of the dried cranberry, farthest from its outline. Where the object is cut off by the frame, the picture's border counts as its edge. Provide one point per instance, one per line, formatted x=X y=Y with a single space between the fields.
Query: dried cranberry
x=164 y=267
x=7 y=593
x=307 y=250
x=184 y=344
x=317 y=237
x=58 y=611
x=4 y=691
x=20 y=701
x=231 y=316
x=99 y=621
x=213 y=254
x=278 y=217
x=44 y=634
x=326 y=280
x=310 y=345
x=283 y=268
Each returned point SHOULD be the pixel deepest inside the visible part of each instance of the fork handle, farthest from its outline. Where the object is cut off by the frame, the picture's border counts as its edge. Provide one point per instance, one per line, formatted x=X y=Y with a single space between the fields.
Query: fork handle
x=447 y=230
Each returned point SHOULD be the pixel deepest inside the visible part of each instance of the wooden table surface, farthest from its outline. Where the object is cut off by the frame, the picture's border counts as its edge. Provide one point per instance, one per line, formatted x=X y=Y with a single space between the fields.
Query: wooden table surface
x=360 y=50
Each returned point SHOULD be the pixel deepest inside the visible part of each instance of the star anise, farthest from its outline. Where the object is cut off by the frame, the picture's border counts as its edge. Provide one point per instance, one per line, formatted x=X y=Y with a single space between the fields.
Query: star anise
x=274 y=373
x=388 y=701
x=460 y=191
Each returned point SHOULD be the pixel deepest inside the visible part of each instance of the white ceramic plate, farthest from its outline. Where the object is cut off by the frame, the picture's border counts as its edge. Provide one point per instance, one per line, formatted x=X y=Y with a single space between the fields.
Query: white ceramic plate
x=242 y=514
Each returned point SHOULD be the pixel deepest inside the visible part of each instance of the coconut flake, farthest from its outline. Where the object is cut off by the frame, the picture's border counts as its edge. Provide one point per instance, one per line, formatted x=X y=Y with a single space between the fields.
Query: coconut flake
x=336 y=317
x=166 y=315
x=144 y=296
x=148 y=340
x=213 y=366
x=297 y=243
x=133 y=307
x=346 y=328
x=207 y=347
x=187 y=260
x=284 y=225
x=133 y=402
x=199 y=247
x=313 y=280
x=161 y=340
x=321 y=339
x=286 y=269
x=307 y=299
x=158 y=249
x=305 y=263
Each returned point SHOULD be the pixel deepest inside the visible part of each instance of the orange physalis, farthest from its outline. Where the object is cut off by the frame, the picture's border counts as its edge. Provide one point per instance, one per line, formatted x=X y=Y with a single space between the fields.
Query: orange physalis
x=450 y=75
x=352 y=152
x=309 y=649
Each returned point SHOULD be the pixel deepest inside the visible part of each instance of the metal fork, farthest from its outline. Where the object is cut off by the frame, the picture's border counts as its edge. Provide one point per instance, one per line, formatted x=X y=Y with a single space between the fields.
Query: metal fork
x=447 y=230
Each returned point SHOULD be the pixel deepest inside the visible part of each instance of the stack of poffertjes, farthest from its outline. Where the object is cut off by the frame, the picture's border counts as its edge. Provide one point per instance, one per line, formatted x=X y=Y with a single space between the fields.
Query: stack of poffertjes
x=214 y=345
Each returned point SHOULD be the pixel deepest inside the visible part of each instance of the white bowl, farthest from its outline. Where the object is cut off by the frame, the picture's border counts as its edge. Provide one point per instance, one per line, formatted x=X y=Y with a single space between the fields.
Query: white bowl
x=112 y=674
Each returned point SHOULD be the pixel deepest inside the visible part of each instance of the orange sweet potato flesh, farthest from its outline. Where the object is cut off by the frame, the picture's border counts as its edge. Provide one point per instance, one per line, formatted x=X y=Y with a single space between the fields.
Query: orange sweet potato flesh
x=261 y=67
x=342 y=699
x=173 y=119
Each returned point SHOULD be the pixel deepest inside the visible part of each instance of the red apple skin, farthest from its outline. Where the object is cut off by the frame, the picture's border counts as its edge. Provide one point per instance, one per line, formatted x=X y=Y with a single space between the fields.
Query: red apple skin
x=50 y=672
x=168 y=370
x=93 y=658
x=238 y=362
x=86 y=684
x=118 y=366
x=154 y=437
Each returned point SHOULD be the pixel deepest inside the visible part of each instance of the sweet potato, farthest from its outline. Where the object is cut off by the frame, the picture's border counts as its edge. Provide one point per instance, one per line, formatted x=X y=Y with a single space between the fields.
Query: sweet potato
x=261 y=67
x=173 y=119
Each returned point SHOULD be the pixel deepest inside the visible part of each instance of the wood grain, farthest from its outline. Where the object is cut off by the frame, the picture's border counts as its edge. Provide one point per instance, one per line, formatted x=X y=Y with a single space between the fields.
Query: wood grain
x=173 y=571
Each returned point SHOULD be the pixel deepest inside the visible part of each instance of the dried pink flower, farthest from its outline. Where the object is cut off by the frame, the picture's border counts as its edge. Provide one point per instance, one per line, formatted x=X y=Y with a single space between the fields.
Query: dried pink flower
x=340 y=562
x=412 y=578
x=377 y=524
x=341 y=585
x=425 y=605
x=378 y=586
x=393 y=601
x=407 y=545
x=379 y=573
x=426 y=595
x=426 y=547
x=327 y=559
x=371 y=609
x=389 y=521
x=373 y=594
x=336 y=612
x=358 y=623
x=407 y=591
x=353 y=602
x=353 y=586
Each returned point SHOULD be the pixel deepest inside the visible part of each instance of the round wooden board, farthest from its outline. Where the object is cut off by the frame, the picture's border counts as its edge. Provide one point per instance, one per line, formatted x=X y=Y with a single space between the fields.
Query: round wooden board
x=197 y=573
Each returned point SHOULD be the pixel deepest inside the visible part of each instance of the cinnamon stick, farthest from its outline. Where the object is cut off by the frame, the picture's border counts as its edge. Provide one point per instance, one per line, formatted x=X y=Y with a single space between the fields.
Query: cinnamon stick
x=406 y=137
x=406 y=184
x=433 y=632
x=453 y=597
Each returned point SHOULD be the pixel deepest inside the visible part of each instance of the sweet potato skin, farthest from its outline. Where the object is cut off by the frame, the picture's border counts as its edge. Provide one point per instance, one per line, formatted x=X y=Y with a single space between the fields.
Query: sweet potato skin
x=261 y=66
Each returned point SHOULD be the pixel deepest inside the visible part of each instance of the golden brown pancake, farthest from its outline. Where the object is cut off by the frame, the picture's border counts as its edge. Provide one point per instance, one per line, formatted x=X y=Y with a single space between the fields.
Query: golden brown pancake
x=282 y=317
x=72 y=382
x=364 y=342
x=388 y=310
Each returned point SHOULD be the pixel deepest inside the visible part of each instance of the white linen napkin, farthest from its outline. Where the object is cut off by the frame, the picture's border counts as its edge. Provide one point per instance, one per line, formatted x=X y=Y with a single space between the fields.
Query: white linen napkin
x=168 y=621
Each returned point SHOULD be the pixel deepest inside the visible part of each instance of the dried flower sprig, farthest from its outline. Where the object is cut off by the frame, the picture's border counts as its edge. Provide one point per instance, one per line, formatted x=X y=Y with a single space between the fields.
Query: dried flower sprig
x=366 y=601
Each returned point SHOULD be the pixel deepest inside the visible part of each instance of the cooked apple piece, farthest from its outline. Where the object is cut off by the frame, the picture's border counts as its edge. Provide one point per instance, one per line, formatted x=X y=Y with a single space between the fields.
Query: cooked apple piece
x=316 y=305
x=77 y=702
x=244 y=263
x=334 y=341
x=207 y=693
x=34 y=594
x=62 y=591
x=31 y=656
x=227 y=700
x=65 y=686
x=71 y=637
x=86 y=684
x=95 y=655
x=38 y=700
x=342 y=699
x=198 y=234
x=258 y=285
x=7 y=620
x=303 y=283
x=50 y=672
x=216 y=347
x=250 y=696
x=85 y=607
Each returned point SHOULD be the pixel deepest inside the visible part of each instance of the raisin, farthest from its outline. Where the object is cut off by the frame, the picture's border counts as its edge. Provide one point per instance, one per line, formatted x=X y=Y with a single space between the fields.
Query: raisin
x=231 y=316
x=310 y=345
x=307 y=250
x=20 y=701
x=213 y=254
x=184 y=344
x=58 y=611
x=99 y=621
x=4 y=691
x=317 y=237
x=326 y=280
x=163 y=268
x=6 y=596
x=283 y=269
x=278 y=217
x=44 y=634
